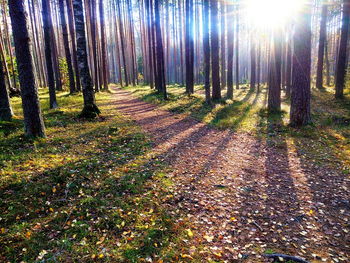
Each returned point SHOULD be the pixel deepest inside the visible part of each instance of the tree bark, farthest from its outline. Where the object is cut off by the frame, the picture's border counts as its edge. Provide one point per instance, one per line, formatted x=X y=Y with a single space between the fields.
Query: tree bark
x=189 y=48
x=73 y=38
x=160 y=52
x=342 y=53
x=252 y=64
x=230 y=46
x=48 y=31
x=66 y=47
x=215 y=58
x=223 y=43
x=90 y=109
x=5 y=107
x=289 y=68
x=206 y=47
x=237 y=46
x=301 y=92
x=274 y=92
x=321 y=46
x=33 y=121
x=103 y=47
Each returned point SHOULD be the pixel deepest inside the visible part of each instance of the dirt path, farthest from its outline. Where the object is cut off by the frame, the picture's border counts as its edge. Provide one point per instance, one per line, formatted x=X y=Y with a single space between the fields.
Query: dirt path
x=244 y=196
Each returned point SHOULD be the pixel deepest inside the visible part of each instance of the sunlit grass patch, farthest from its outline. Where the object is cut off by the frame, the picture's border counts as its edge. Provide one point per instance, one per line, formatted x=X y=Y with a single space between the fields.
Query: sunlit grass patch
x=89 y=191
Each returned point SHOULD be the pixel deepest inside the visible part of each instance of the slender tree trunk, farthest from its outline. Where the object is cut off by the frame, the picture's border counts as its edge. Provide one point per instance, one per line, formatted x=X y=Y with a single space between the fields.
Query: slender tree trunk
x=160 y=52
x=321 y=46
x=223 y=43
x=342 y=53
x=289 y=66
x=122 y=42
x=66 y=48
x=48 y=31
x=73 y=38
x=9 y=44
x=301 y=92
x=103 y=47
x=189 y=48
x=252 y=64
x=215 y=58
x=237 y=47
x=94 y=44
x=3 y=57
x=5 y=107
x=274 y=92
x=206 y=49
x=33 y=121
x=90 y=109
x=258 y=68
x=230 y=46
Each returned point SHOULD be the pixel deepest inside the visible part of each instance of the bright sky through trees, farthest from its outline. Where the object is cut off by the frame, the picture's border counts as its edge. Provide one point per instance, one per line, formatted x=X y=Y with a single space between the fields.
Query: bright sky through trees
x=272 y=13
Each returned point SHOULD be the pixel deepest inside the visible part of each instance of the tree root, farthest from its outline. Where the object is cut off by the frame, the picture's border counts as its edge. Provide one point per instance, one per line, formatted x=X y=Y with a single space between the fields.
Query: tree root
x=90 y=111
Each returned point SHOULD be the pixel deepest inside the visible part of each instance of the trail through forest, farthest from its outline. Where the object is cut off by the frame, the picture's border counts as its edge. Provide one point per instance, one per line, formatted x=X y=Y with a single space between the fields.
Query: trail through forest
x=245 y=196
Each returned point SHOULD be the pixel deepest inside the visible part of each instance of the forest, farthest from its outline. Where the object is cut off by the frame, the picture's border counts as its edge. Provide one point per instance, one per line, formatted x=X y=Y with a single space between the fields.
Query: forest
x=175 y=131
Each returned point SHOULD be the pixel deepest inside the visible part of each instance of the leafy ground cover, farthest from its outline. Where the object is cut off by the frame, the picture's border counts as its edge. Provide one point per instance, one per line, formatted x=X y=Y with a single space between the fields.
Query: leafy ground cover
x=84 y=193
x=327 y=139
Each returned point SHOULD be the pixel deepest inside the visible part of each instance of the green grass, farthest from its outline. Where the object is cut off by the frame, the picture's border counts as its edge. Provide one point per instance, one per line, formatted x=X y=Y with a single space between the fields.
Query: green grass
x=325 y=141
x=90 y=191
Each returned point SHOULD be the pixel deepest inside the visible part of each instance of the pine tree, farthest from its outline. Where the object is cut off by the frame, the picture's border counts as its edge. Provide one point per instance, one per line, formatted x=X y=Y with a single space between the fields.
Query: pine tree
x=90 y=109
x=321 y=46
x=274 y=91
x=5 y=107
x=342 y=53
x=33 y=121
x=206 y=49
x=215 y=58
x=48 y=32
x=301 y=93
x=189 y=48
x=66 y=47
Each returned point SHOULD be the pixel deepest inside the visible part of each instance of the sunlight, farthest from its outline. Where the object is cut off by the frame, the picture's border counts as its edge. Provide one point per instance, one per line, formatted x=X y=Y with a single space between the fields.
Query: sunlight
x=272 y=13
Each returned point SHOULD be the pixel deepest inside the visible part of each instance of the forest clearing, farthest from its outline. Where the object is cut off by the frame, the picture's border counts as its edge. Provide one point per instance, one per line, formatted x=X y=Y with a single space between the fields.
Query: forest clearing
x=174 y=131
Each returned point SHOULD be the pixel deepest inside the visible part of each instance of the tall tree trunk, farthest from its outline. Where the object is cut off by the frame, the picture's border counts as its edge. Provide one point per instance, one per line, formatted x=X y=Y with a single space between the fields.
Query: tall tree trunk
x=94 y=44
x=9 y=44
x=230 y=46
x=160 y=52
x=206 y=49
x=215 y=58
x=252 y=64
x=258 y=68
x=73 y=38
x=103 y=47
x=90 y=109
x=122 y=42
x=48 y=31
x=289 y=68
x=321 y=46
x=66 y=48
x=33 y=121
x=301 y=92
x=5 y=107
x=223 y=43
x=274 y=92
x=342 y=53
x=237 y=46
x=189 y=48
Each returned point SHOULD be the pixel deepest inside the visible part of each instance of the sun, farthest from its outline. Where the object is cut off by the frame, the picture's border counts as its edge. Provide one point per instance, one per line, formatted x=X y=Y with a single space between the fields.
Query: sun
x=272 y=13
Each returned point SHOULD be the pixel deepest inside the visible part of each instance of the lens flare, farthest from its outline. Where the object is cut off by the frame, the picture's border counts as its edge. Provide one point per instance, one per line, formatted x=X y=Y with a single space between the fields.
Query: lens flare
x=272 y=13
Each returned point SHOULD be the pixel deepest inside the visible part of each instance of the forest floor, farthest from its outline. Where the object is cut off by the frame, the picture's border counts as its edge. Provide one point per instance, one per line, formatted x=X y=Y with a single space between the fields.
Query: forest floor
x=175 y=181
x=247 y=182
x=82 y=194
